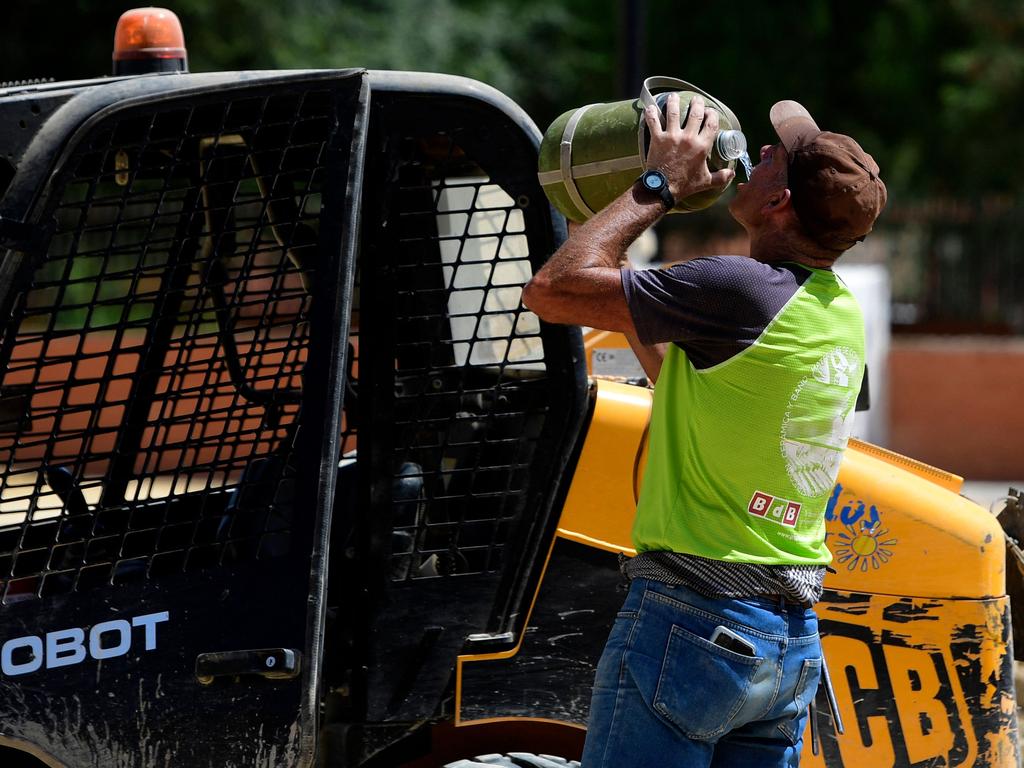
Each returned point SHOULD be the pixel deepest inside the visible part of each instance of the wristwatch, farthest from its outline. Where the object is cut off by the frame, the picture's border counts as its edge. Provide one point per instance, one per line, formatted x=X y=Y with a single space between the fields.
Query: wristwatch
x=655 y=181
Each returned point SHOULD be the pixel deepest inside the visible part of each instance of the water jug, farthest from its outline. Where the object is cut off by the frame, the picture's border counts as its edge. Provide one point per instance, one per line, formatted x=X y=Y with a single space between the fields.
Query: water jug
x=591 y=155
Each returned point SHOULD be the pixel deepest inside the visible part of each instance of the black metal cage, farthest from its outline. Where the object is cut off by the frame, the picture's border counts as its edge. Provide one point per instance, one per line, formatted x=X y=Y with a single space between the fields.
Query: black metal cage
x=154 y=354
x=176 y=303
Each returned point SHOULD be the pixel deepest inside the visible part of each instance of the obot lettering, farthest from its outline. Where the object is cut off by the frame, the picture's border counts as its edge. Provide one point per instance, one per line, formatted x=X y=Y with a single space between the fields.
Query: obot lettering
x=67 y=647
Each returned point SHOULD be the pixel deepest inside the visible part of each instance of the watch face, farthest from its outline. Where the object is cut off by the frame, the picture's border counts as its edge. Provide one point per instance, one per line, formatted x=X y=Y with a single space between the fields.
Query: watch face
x=654 y=180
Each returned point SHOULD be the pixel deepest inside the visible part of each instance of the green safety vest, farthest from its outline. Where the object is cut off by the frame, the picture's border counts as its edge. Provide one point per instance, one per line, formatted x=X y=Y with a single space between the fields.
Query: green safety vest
x=744 y=455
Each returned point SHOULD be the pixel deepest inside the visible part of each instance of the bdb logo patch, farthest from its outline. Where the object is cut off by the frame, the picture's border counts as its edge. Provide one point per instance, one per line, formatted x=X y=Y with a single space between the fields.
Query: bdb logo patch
x=778 y=510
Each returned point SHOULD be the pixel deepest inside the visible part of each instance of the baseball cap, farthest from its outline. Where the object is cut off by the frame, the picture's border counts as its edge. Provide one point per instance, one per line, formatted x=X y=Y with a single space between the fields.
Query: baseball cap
x=836 y=190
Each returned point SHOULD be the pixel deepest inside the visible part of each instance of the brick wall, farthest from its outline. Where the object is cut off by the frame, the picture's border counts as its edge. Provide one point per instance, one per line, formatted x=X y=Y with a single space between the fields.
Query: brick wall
x=958 y=403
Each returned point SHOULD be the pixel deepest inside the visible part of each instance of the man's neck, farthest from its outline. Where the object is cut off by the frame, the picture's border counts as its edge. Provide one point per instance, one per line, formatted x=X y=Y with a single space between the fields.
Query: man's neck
x=774 y=247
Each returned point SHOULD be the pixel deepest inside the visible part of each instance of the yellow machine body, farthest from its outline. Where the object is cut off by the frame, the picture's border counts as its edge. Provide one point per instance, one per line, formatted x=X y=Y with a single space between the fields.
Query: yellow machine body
x=915 y=619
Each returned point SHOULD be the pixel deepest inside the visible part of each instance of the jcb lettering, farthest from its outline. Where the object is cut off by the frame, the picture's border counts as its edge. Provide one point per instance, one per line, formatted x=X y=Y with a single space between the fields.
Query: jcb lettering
x=867 y=740
x=918 y=693
x=67 y=647
x=898 y=703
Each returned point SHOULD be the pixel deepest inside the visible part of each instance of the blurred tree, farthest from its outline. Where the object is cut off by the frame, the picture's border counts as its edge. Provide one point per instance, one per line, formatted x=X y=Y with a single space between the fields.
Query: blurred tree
x=983 y=96
x=933 y=88
x=535 y=51
x=544 y=54
x=876 y=70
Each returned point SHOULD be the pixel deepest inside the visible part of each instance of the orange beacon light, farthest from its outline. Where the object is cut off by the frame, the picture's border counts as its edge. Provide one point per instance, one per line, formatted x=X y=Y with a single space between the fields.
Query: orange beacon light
x=149 y=40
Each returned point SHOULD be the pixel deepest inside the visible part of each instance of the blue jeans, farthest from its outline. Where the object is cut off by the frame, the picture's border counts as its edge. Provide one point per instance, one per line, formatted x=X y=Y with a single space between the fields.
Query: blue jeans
x=665 y=696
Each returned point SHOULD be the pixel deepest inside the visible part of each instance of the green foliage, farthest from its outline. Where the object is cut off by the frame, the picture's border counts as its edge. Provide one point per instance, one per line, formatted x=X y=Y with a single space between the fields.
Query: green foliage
x=535 y=51
x=981 y=99
x=933 y=88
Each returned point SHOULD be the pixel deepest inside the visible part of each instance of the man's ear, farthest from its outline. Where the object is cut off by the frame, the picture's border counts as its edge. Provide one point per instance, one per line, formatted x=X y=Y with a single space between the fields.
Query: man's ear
x=778 y=202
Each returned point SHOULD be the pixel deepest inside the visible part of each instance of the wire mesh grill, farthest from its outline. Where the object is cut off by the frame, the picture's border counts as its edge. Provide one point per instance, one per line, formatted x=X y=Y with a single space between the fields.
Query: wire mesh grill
x=154 y=360
x=469 y=374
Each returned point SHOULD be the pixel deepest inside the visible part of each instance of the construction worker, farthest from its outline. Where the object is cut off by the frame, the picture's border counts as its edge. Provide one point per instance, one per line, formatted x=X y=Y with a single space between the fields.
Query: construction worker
x=757 y=362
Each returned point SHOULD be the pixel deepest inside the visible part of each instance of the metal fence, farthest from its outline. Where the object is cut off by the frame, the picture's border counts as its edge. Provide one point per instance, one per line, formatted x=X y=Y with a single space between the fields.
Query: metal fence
x=957 y=266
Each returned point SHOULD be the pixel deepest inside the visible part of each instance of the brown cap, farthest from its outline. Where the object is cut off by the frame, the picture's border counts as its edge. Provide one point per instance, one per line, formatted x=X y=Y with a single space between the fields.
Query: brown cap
x=837 y=193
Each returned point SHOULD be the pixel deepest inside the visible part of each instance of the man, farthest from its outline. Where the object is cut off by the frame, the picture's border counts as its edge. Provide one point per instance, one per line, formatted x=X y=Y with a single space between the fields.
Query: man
x=757 y=362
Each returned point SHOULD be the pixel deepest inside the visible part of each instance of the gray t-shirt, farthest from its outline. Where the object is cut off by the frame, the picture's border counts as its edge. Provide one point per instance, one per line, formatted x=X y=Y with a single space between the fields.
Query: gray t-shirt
x=712 y=307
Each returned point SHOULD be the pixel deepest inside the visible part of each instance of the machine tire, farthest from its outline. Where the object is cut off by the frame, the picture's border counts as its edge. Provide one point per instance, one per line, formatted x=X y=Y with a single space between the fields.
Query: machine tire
x=515 y=760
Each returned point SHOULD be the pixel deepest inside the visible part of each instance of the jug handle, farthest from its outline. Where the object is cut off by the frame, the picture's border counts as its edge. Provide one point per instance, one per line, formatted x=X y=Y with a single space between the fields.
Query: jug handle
x=661 y=83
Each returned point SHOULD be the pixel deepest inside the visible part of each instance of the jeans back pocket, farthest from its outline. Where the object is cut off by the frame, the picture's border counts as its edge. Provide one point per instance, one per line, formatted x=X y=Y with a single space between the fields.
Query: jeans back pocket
x=702 y=686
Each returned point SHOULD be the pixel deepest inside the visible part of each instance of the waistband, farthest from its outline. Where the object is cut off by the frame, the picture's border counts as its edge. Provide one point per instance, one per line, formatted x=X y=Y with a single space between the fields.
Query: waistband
x=780 y=602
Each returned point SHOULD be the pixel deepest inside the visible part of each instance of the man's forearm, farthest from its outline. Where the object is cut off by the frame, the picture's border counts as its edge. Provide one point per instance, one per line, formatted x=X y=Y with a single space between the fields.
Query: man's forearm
x=602 y=240
x=580 y=283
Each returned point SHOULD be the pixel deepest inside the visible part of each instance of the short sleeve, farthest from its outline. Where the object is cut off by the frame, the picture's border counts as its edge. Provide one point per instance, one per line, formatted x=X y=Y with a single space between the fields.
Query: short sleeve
x=712 y=307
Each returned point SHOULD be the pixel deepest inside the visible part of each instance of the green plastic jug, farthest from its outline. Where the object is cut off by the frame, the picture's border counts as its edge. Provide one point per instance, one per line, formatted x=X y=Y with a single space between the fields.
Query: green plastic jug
x=591 y=155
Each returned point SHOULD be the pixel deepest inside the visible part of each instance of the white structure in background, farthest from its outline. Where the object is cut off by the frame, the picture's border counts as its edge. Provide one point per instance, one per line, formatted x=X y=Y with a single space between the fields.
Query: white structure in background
x=869 y=283
x=643 y=250
x=485 y=260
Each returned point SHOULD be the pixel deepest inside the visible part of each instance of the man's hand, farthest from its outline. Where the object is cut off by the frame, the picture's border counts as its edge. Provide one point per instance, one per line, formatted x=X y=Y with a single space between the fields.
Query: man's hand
x=680 y=152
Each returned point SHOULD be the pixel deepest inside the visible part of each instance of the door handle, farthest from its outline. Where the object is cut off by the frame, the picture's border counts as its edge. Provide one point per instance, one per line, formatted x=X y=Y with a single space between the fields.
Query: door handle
x=271 y=663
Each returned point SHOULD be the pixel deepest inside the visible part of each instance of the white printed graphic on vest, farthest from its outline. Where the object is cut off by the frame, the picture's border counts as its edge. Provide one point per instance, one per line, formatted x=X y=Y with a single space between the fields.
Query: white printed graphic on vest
x=781 y=511
x=818 y=421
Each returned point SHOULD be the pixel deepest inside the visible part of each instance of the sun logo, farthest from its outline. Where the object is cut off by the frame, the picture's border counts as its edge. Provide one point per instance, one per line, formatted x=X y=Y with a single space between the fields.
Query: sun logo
x=859 y=549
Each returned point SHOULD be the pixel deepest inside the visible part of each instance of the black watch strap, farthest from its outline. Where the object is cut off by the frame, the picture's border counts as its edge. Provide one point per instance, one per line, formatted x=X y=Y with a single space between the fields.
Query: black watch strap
x=655 y=181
